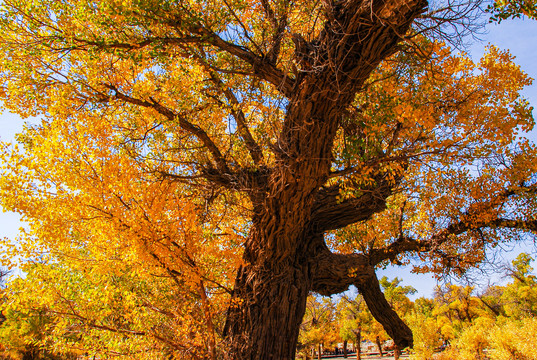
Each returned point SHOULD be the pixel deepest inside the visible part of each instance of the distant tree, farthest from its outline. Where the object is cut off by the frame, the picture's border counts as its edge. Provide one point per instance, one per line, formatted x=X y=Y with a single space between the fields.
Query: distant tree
x=353 y=317
x=24 y=331
x=458 y=302
x=513 y=339
x=426 y=328
x=520 y=296
x=319 y=329
x=471 y=342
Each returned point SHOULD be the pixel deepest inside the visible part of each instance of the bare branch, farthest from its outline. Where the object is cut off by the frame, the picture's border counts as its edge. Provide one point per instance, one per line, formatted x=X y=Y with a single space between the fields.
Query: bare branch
x=253 y=147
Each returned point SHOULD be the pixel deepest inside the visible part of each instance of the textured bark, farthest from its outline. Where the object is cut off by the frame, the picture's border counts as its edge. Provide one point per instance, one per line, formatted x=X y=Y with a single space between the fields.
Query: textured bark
x=285 y=254
x=383 y=312
x=333 y=273
x=270 y=298
x=264 y=321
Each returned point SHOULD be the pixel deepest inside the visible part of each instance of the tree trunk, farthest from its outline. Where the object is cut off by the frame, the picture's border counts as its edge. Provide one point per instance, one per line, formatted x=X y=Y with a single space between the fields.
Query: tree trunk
x=293 y=205
x=319 y=351
x=359 y=345
x=379 y=345
x=396 y=352
x=345 y=349
x=269 y=299
x=270 y=305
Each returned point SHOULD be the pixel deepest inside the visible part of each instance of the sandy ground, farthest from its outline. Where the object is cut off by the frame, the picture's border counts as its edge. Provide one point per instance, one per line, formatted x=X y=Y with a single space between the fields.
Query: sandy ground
x=366 y=357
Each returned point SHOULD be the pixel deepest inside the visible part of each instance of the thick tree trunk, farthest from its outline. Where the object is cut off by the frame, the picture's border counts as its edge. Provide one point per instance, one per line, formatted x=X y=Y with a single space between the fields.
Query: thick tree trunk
x=345 y=349
x=293 y=204
x=266 y=312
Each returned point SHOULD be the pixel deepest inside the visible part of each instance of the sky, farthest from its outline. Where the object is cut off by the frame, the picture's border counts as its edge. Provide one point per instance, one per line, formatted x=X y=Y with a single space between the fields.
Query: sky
x=519 y=36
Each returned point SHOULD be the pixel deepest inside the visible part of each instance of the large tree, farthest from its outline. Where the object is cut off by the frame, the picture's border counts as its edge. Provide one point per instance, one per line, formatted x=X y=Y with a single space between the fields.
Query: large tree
x=298 y=145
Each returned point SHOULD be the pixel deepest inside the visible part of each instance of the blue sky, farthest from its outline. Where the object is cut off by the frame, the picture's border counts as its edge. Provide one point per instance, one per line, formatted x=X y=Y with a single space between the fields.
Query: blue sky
x=519 y=36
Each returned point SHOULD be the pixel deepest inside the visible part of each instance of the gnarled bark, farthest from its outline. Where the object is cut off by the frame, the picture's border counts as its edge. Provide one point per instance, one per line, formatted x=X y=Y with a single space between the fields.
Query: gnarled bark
x=334 y=273
x=270 y=299
x=285 y=255
x=266 y=311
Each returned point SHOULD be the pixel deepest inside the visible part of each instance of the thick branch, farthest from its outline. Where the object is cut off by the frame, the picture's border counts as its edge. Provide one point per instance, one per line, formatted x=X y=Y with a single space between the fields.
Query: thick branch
x=262 y=67
x=278 y=27
x=329 y=213
x=383 y=312
x=468 y=222
x=334 y=273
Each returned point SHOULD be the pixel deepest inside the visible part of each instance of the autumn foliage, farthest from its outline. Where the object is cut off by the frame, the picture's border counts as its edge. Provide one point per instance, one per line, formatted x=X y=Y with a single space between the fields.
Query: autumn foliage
x=495 y=322
x=196 y=169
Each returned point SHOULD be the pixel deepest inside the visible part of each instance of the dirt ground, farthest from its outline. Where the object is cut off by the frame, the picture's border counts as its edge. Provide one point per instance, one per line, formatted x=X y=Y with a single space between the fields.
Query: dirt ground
x=366 y=357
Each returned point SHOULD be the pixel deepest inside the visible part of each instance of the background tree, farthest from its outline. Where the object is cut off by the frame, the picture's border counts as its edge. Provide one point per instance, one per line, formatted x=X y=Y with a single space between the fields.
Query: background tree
x=513 y=339
x=130 y=311
x=457 y=304
x=425 y=327
x=229 y=144
x=353 y=316
x=519 y=298
x=501 y=318
x=319 y=330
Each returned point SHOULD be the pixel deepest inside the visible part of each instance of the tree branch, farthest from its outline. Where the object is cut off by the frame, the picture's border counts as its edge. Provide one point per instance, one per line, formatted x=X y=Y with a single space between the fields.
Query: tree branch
x=253 y=147
x=330 y=213
x=195 y=130
x=468 y=222
x=278 y=26
x=384 y=313
x=409 y=244
x=262 y=67
x=334 y=273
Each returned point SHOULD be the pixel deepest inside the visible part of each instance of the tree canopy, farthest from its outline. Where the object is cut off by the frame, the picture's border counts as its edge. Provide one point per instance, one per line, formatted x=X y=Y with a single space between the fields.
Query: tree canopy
x=205 y=165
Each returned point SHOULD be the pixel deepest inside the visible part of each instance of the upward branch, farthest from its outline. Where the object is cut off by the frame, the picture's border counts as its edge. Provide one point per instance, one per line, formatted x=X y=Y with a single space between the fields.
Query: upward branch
x=189 y=127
